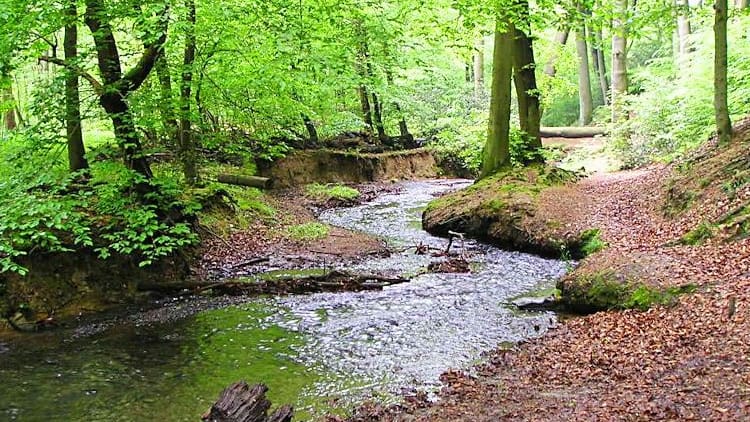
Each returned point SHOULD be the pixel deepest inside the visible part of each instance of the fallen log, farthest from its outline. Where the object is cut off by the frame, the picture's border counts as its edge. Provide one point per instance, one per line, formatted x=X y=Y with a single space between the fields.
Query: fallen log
x=243 y=403
x=571 y=132
x=242 y=180
x=334 y=281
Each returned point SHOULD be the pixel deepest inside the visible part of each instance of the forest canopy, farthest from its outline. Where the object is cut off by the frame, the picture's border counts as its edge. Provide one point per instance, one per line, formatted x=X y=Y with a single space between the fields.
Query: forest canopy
x=117 y=113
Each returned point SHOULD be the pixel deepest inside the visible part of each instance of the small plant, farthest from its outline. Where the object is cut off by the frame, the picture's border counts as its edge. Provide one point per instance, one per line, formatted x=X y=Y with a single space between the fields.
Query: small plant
x=592 y=242
x=308 y=232
x=324 y=193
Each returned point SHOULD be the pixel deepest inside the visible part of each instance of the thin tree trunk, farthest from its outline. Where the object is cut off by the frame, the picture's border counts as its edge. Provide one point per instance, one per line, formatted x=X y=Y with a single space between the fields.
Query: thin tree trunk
x=312 y=139
x=741 y=4
x=602 y=65
x=9 y=116
x=561 y=38
x=364 y=100
x=723 y=122
x=167 y=97
x=117 y=87
x=683 y=27
x=378 y=118
x=496 y=153
x=619 y=60
x=186 y=147
x=527 y=93
x=585 y=100
x=76 y=150
x=478 y=67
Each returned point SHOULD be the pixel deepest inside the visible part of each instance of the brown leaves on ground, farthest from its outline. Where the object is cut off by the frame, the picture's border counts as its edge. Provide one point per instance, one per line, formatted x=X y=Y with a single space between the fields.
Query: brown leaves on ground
x=686 y=362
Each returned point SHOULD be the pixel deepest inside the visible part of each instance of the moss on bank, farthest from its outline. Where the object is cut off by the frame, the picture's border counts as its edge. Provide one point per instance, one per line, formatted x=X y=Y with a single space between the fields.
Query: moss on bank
x=607 y=290
x=503 y=210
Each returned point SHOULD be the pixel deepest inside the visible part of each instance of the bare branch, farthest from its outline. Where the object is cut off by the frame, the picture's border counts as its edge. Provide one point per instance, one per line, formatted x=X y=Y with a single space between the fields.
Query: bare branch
x=98 y=88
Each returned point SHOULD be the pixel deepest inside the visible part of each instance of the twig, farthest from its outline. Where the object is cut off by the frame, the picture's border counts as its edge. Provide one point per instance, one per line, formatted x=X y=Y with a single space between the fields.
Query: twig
x=251 y=262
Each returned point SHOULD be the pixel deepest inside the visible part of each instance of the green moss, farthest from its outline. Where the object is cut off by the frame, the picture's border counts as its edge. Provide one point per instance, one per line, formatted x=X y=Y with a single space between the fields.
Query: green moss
x=324 y=193
x=606 y=291
x=698 y=235
x=308 y=232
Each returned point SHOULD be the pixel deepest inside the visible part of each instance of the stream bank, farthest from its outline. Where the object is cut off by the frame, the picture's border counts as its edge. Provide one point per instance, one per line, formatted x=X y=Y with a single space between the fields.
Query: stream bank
x=324 y=352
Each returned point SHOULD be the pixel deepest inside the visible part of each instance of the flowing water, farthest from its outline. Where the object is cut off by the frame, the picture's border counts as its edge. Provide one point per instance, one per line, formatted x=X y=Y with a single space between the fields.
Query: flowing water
x=321 y=352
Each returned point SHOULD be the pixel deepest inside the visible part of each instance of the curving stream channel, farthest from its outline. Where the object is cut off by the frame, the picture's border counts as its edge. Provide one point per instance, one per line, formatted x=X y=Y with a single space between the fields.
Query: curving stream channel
x=322 y=352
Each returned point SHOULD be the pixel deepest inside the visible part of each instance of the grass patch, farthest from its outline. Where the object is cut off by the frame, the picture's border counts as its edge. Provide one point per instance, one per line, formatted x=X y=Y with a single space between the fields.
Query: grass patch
x=323 y=193
x=308 y=232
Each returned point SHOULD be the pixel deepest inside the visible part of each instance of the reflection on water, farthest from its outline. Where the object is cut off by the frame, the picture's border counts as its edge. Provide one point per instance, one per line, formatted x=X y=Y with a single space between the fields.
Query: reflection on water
x=318 y=351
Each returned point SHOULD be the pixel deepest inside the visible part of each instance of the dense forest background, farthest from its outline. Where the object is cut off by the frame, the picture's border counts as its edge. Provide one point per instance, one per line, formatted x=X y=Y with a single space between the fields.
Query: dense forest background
x=117 y=115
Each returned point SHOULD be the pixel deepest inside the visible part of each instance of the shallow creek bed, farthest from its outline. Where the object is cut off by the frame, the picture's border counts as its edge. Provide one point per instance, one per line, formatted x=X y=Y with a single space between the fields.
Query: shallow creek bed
x=323 y=352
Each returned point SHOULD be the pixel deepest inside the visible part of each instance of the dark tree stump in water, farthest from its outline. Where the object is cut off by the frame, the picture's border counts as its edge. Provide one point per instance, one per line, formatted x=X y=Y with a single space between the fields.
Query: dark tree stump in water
x=243 y=403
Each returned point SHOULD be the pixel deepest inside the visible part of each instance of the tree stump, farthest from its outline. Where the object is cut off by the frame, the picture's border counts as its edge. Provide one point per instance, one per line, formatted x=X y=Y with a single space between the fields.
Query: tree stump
x=243 y=403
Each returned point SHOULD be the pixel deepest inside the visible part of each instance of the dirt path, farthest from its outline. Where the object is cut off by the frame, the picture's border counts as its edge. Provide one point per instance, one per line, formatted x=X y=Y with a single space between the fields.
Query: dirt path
x=686 y=362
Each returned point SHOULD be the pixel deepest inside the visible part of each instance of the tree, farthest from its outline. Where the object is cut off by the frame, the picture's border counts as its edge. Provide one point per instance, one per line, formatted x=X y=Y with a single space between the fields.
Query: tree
x=496 y=153
x=185 y=144
x=585 y=100
x=73 y=127
x=524 y=76
x=683 y=26
x=116 y=86
x=478 y=67
x=619 y=59
x=721 y=108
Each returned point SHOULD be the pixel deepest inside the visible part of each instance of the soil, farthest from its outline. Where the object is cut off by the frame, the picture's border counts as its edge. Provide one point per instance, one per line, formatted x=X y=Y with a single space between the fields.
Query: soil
x=686 y=360
x=224 y=257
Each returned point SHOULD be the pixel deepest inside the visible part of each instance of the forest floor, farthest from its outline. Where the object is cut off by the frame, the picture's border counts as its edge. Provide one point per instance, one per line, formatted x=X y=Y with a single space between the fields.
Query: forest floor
x=267 y=244
x=688 y=361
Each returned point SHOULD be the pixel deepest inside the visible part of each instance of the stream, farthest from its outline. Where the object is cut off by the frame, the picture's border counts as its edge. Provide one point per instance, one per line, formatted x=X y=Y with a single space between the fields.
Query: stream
x=321 y=352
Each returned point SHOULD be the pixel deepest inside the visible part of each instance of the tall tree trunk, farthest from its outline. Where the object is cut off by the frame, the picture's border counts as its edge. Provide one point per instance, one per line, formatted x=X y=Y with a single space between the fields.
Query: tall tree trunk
x=312 y=132
x=561 y=38
x=6 y=98
x=166 y=107
x=478 y=67
x=602 y=65
x=76 y=150
x=721 y=108
x=619 y=60
x=186 y=147
x=364 y=100
x=524 y=68
x=585 y=100
x=496 y=153
x=741 y=4
x=683 y=27
x=378 y=118
x=116 y=86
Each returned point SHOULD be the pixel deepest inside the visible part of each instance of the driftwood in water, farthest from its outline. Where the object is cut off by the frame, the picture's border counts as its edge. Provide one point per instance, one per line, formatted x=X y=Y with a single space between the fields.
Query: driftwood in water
x=334 y=281
x=252 y=181
x=243 y=403
x=571 y=132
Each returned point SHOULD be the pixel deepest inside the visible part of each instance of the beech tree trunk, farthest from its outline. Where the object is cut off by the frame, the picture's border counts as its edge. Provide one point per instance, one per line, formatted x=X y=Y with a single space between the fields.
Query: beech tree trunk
x=585 y=100
x=524 y=68
x=73 y=130
x=166 y=107
x=602 y=66
x=619 y=60
x=312 y=139
x=6 y=97
x=683 y=27
x=496 y=154
x=242 y=180
x=364 y=100
x=721 y=108
x=561 y=38
x=186 y=147
x=478 y=68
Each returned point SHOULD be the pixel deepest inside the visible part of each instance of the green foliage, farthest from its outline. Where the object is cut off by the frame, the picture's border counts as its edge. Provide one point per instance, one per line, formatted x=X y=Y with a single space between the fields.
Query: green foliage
x=308 y=232
x=591 y=242
x=323 y=193
x=673 y=111
x=698 y=235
